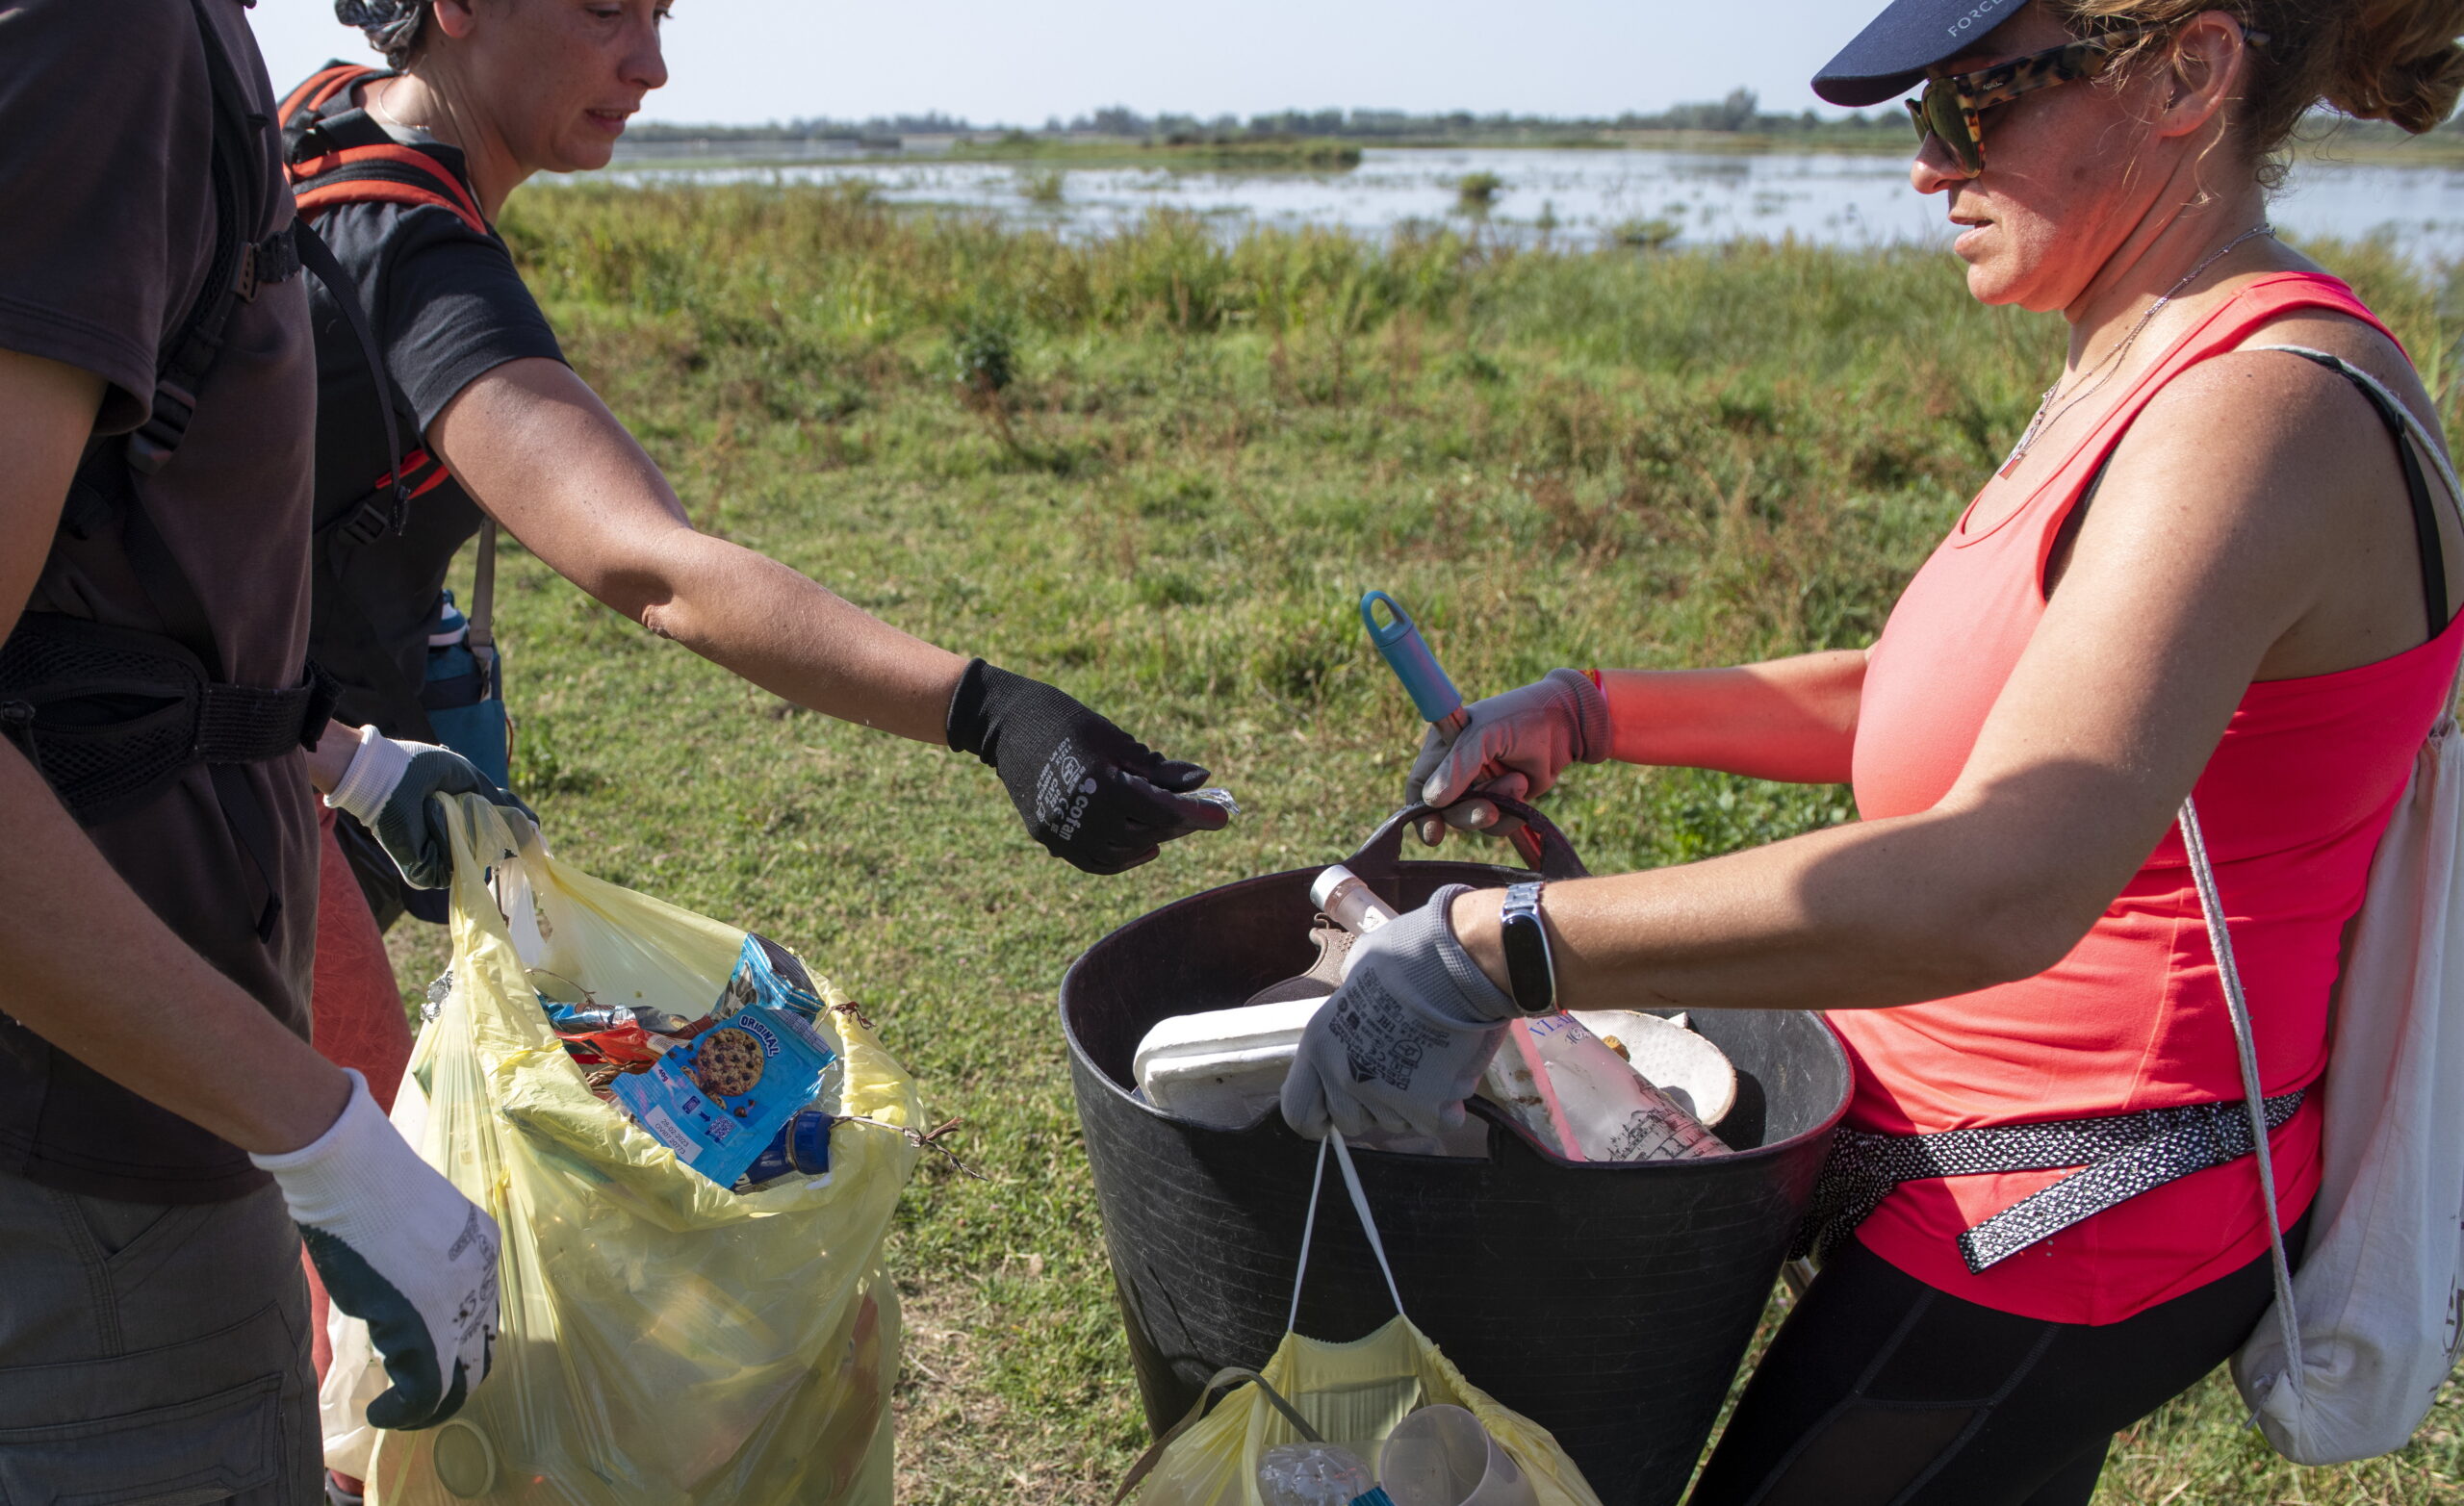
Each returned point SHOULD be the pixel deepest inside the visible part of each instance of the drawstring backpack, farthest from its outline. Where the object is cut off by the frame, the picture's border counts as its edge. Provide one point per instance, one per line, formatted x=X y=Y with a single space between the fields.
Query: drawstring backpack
x=2347 y=1361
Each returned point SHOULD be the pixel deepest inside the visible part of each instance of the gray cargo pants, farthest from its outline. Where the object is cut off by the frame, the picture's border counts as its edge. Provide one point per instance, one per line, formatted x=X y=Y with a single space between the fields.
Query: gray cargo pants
x=153 y=1354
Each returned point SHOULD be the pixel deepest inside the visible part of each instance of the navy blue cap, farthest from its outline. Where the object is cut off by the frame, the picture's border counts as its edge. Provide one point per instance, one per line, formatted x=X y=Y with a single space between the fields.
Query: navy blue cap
x=1910 y=36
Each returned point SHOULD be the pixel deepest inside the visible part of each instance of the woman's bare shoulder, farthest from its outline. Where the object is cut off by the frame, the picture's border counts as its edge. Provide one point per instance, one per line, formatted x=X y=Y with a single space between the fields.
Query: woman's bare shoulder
x=2350 y=339
x=2279 y=472
x=2249 y=420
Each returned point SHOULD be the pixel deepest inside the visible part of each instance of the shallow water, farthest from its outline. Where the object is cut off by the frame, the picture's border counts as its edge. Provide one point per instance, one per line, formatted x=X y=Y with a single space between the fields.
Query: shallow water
x=1582 y=197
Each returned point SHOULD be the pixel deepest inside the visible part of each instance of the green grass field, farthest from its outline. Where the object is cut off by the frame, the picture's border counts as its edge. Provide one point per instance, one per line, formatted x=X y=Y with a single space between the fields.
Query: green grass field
x=1201 y=455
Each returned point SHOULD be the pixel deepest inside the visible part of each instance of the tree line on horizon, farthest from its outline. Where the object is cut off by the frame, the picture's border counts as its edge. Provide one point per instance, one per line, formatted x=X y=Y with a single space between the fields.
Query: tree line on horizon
x=1741 y=112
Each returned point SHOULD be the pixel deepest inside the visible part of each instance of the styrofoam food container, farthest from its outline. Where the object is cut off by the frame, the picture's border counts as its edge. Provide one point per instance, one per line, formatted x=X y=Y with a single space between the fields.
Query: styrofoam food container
x=1684 y=1066
x=1223 y=1067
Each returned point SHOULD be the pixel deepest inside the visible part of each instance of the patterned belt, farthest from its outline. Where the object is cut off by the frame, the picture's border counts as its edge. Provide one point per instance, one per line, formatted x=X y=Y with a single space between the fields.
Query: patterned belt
x=2120 y=1156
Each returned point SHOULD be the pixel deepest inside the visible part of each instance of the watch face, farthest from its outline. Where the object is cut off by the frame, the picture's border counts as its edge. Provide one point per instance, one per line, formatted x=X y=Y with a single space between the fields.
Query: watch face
x=1529 y=966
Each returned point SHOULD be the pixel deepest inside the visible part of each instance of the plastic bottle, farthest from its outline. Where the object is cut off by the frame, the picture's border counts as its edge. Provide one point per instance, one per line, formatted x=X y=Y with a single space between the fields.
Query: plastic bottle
x=1612 y=1113
x=1317 y=1474
x=1349 y=902
x=1518 y=1080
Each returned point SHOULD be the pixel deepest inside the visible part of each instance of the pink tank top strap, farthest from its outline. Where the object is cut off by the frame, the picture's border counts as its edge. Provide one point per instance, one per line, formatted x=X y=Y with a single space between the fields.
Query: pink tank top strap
x=2225 y=327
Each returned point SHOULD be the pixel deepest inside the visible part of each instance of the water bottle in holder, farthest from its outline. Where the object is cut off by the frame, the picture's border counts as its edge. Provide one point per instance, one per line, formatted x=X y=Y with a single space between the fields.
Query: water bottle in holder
x=463 y=689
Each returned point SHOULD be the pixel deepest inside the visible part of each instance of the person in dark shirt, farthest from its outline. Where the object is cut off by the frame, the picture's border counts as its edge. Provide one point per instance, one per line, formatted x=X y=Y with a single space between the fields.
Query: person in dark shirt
x=491 y=93
x=168 y=1135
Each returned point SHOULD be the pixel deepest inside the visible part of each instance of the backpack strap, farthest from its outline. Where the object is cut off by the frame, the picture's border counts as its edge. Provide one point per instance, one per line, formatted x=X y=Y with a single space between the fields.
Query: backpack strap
x=2219 y=941
x=235 y=272
x=103 y=492
x=304 y=107
x=385 y=508
x=394 y=485
x=2412 y=441
x=388 y=174
x=327 y=171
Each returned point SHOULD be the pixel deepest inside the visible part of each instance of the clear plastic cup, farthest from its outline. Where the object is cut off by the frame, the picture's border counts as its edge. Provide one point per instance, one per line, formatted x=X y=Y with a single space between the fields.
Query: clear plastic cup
x=1441 y=1456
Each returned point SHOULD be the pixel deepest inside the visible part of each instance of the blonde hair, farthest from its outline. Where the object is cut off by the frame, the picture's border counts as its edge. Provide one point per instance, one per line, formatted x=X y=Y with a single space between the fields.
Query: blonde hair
x=2397 y=60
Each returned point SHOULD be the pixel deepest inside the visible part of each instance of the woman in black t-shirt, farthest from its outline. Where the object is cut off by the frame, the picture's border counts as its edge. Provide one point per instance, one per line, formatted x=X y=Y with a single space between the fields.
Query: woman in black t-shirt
x=492 y=94
x=479 y=98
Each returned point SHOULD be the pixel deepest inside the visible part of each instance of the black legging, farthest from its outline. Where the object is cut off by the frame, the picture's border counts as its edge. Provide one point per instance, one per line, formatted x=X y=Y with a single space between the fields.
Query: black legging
x=1881 y=1391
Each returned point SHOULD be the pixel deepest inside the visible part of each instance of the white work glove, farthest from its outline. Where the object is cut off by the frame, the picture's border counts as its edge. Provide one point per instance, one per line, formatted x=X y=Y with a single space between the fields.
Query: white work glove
x=388 y=788
x=400 y=1247
x=1405 y=1040
x=1515 y=745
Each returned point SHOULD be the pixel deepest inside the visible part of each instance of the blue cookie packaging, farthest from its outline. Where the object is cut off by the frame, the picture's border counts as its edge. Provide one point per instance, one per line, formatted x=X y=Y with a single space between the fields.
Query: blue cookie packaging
x=721 y=1099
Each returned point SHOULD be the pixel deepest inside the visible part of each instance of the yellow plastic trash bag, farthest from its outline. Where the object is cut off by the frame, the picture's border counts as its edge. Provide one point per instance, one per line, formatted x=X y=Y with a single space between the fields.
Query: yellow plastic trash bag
x=662 y=1339
x=1353 y=1394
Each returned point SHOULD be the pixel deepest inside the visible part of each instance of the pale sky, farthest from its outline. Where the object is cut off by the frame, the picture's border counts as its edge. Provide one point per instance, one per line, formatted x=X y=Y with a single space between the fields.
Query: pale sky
x=750 y=60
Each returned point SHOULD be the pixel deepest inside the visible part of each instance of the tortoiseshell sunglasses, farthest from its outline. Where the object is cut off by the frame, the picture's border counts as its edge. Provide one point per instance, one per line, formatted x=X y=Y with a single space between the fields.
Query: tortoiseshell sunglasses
x=1952 y=107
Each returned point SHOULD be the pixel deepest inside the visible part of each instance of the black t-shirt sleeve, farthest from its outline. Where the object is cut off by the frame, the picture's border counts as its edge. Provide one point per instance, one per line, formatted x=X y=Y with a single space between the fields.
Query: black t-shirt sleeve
x=103 y=142
x=450 y=307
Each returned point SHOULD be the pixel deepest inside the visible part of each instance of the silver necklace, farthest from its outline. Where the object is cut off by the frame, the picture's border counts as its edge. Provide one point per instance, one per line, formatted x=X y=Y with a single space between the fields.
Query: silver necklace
x=2095 y=377
x=377 y=107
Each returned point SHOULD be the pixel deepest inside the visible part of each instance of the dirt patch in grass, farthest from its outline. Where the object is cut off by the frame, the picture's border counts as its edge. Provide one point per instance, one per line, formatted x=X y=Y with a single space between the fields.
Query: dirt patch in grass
x=959 y=1442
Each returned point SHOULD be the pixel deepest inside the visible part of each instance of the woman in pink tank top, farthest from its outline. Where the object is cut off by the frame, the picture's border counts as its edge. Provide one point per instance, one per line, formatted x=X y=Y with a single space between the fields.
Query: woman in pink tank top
x=2223 y=559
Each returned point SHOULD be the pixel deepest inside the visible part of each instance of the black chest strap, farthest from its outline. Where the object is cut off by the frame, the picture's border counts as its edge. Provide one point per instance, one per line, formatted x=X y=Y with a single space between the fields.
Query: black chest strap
x=111 y=717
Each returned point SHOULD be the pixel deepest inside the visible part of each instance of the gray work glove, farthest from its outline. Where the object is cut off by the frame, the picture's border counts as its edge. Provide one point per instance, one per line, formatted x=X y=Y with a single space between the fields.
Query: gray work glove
x=390 y=787
x=1515 y=745
x=1405 y=1040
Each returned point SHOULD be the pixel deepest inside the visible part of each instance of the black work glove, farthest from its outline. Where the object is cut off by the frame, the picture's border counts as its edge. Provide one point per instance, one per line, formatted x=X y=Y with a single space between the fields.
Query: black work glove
x=1087 y=790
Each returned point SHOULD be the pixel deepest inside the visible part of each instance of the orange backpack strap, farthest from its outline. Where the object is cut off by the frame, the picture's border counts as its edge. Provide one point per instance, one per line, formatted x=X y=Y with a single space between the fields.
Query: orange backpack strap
x=325 y=173
x=334 y=78
x=390 y=174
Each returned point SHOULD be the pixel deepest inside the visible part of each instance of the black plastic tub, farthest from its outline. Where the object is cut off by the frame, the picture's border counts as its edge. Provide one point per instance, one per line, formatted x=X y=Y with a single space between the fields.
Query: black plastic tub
x=1610 y=1304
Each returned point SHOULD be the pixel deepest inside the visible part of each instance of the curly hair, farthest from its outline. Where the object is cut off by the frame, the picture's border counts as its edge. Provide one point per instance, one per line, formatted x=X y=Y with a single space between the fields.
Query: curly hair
x=394 y=26
x=2397 y=60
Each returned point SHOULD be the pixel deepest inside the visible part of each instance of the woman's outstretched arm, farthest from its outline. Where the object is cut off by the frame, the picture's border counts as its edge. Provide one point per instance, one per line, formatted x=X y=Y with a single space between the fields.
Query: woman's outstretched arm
x=540 y=452
x=2238 y=535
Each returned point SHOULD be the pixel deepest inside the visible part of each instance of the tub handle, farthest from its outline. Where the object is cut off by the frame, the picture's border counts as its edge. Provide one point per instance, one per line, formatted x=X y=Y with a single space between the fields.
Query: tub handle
x=1382 y=854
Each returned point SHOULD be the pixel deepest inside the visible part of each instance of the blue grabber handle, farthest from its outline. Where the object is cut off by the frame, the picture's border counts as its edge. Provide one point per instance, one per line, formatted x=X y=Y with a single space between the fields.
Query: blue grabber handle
x=1407 y=654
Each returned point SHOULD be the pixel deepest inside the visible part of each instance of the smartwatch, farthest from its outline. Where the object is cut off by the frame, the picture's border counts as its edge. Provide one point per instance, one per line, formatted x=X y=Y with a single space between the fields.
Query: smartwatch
x=1532 y=972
